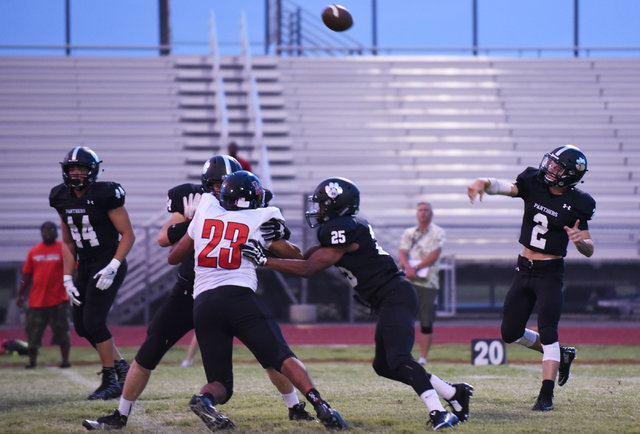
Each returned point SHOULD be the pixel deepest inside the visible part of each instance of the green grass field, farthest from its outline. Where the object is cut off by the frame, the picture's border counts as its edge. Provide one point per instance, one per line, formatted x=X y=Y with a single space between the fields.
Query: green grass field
x=601 y=396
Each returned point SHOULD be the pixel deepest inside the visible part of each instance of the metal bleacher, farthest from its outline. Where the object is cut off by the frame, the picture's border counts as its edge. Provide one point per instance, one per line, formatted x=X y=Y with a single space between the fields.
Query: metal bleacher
x=404 y=129
x=407 y=129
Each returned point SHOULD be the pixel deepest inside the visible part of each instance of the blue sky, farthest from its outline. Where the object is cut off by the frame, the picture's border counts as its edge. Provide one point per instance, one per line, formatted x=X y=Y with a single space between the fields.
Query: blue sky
x=401 y=23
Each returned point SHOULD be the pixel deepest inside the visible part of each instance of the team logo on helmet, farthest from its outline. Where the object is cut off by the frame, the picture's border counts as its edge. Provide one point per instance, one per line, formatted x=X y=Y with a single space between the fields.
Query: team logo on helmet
x=581 y=164
x=333 y=190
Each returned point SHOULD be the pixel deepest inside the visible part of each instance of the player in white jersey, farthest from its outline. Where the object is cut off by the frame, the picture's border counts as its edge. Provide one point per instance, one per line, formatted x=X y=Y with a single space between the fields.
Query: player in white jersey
x=226 y=305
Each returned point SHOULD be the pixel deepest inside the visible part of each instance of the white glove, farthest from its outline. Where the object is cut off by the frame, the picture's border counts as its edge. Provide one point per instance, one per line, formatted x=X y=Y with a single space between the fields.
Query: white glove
x=190 y=204
x=107 y=274
x=72 y=291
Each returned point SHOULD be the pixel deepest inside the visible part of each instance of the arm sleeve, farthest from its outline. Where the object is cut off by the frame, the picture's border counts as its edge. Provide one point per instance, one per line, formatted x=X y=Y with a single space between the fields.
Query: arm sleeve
x=176 y=231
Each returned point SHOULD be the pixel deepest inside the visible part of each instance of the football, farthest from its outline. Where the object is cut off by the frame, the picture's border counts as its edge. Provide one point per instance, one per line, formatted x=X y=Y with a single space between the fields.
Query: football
x=337 y=18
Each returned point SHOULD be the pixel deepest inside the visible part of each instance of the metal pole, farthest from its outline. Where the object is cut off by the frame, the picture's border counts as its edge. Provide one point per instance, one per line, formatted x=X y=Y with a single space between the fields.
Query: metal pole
x=165 y=32
x=67 y=15
x=474 y=18
x=576 y=20
x=374 y=26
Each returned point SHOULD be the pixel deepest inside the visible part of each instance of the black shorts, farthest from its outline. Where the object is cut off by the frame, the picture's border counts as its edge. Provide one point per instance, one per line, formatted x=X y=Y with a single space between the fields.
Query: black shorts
x=536 y=282
x=57 y=317
x=220 y=314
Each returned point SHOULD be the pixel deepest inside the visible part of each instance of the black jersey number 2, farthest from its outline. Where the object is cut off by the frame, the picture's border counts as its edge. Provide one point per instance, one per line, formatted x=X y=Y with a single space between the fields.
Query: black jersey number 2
x=541 y=228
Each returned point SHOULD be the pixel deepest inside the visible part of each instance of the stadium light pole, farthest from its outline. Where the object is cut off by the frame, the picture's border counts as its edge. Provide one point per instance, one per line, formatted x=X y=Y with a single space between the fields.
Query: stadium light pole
x=165 y=32
x=67 y=26
x=576 y=22
x=474 y=26
x=374 y=27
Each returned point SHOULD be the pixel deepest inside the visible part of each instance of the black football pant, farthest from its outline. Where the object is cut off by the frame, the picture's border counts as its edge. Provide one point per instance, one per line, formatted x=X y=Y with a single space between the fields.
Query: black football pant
x=535 y=282
x=90 y=318
x=395 y=336
x=172 y=320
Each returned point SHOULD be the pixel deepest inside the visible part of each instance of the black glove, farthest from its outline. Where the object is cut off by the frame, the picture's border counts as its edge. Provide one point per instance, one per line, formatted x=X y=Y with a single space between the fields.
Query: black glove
x=254 y=251
x=274 y=230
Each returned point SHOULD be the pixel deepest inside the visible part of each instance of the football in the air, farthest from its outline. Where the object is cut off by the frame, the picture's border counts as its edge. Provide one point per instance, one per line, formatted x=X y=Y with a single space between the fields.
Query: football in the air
x=337 y=18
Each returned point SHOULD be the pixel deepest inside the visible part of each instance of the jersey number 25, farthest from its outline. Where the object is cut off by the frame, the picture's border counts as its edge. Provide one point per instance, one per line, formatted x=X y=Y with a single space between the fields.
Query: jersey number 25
x=223 y=257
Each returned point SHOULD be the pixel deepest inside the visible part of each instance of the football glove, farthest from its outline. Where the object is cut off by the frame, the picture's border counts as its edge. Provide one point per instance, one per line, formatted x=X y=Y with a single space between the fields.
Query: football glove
x=107 y=274
x=190 y=204
x=254 y=251
x=274 y=230
x=72 y=291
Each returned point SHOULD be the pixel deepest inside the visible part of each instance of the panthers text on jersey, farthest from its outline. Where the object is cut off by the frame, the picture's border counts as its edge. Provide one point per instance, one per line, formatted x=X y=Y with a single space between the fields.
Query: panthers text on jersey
x=87 y=217
x=369 y=267
x=217 y=235
x=546 y=215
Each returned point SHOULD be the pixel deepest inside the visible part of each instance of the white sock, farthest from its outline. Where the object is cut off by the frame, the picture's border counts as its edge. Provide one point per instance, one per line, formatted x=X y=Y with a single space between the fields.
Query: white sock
x=431 y=400
x=290 y=399
x=444 y=389
x=125 y=406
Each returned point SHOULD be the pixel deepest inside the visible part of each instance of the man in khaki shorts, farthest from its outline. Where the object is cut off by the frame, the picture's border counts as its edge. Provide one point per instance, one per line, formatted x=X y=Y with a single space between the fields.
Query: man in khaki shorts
x=420 y=249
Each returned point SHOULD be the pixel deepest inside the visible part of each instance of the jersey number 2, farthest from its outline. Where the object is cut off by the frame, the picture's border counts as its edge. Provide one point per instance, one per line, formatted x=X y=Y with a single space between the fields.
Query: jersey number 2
x=538 y=230
x=229 y=258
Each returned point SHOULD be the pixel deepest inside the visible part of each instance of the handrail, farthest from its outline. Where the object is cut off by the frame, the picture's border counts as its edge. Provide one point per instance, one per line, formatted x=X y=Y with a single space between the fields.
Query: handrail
x=254 y=106
x=216 y=77
x=351 y=50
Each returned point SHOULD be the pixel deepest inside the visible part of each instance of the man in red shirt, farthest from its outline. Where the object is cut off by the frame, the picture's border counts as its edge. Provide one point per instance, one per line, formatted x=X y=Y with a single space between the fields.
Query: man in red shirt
x=48 y=301
x=233 y=151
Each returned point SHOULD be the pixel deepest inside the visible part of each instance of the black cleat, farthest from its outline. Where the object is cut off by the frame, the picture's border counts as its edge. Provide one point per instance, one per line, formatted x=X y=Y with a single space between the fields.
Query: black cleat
x=122 y=368
x=297 y=412
x=567 y=355
x=329 y=417
x=460 y=401
x=109 y=388
x=215 y=421
x=543 y=404
x=442 y=419
x=113 y=421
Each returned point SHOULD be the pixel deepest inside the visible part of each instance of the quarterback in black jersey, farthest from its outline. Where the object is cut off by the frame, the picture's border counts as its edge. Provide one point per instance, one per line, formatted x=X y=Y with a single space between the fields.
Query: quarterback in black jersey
x=174 y=317
x=348 y=242
x=555 y=212
x=97 y=232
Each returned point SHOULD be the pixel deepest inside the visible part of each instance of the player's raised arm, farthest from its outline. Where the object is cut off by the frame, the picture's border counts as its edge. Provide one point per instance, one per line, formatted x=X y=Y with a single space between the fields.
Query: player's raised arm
x=490 y=186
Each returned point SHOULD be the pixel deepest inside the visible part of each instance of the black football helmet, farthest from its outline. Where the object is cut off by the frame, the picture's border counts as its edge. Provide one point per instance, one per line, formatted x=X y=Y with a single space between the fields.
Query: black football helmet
x=572 y=166
x=241 y=190
x=335 y=197
x=216 y=169
x=80 y=156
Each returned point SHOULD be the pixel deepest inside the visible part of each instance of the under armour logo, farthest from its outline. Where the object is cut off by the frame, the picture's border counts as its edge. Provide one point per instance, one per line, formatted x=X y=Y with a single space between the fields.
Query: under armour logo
x=567 y=207
x=90 y=202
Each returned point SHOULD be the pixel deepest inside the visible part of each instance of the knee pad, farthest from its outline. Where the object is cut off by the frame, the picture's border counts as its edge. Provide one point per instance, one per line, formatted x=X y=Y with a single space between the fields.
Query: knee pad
x=379 y=368
x=426 y=330
x=551 y=352
x=528 y=338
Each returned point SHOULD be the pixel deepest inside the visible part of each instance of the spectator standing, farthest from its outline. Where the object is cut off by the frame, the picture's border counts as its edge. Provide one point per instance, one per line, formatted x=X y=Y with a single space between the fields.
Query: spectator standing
x=48 y=301
x=233 y=152
x=419 y=256
x=97 y=233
